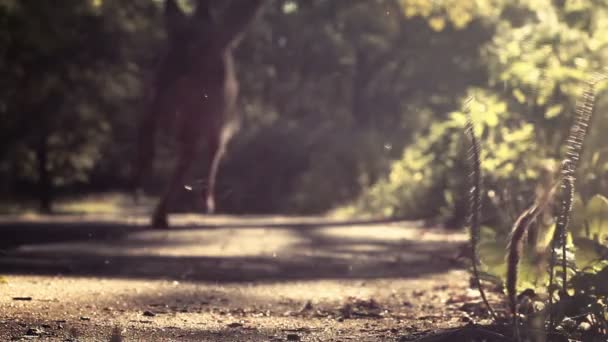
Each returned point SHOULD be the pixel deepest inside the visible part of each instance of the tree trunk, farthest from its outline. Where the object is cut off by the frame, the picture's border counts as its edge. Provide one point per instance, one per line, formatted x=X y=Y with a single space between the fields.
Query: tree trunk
x=361 y=77
x=45 y=187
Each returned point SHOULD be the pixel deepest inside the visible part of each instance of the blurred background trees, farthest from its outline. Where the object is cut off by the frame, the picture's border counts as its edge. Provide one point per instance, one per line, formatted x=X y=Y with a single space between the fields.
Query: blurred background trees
x=352 y=104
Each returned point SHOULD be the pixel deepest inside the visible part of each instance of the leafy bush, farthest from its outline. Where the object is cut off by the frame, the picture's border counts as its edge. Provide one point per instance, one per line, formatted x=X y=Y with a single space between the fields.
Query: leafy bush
x=575 y=300
x=537 y=57
x=429 y=178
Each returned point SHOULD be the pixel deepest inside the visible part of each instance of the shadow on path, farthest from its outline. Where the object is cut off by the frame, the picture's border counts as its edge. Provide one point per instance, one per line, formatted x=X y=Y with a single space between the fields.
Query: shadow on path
x=230 y=250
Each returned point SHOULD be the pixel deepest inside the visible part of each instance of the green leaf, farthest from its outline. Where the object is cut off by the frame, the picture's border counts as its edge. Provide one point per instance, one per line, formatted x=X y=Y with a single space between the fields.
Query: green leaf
x=597 y=216
x=577 y=219
x=519 y=95
x=553 y=111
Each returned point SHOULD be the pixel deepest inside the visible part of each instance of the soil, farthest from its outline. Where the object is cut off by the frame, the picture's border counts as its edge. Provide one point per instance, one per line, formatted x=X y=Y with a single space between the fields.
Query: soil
x=221 y=278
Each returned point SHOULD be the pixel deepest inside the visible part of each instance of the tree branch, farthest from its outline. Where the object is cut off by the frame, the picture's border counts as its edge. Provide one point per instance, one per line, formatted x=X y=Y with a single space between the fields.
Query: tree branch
x=237 y=17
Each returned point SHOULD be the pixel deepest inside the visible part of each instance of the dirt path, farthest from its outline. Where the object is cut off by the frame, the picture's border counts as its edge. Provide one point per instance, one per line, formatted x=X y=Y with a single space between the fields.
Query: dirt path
x=86 y=278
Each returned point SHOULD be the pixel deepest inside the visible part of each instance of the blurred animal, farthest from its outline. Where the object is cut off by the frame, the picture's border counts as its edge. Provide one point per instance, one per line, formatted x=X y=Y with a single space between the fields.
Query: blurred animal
x=196 y=86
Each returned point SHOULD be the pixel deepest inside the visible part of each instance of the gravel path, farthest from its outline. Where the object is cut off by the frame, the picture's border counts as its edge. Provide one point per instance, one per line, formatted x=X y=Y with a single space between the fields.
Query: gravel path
x=101 y=278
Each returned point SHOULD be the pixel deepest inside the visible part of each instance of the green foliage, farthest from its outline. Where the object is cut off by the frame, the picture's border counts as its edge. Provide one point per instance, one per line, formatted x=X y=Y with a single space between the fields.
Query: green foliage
x=362 y=68
x=586 y=305
x=363 y=96
x=340 y=95
x=456 y=13
x=536 y=59
x=55 y=100
x=576 y=300
x=586 y=245
x=589 y=229
x=596 y=212
x=428 y=170
x=581 y=310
